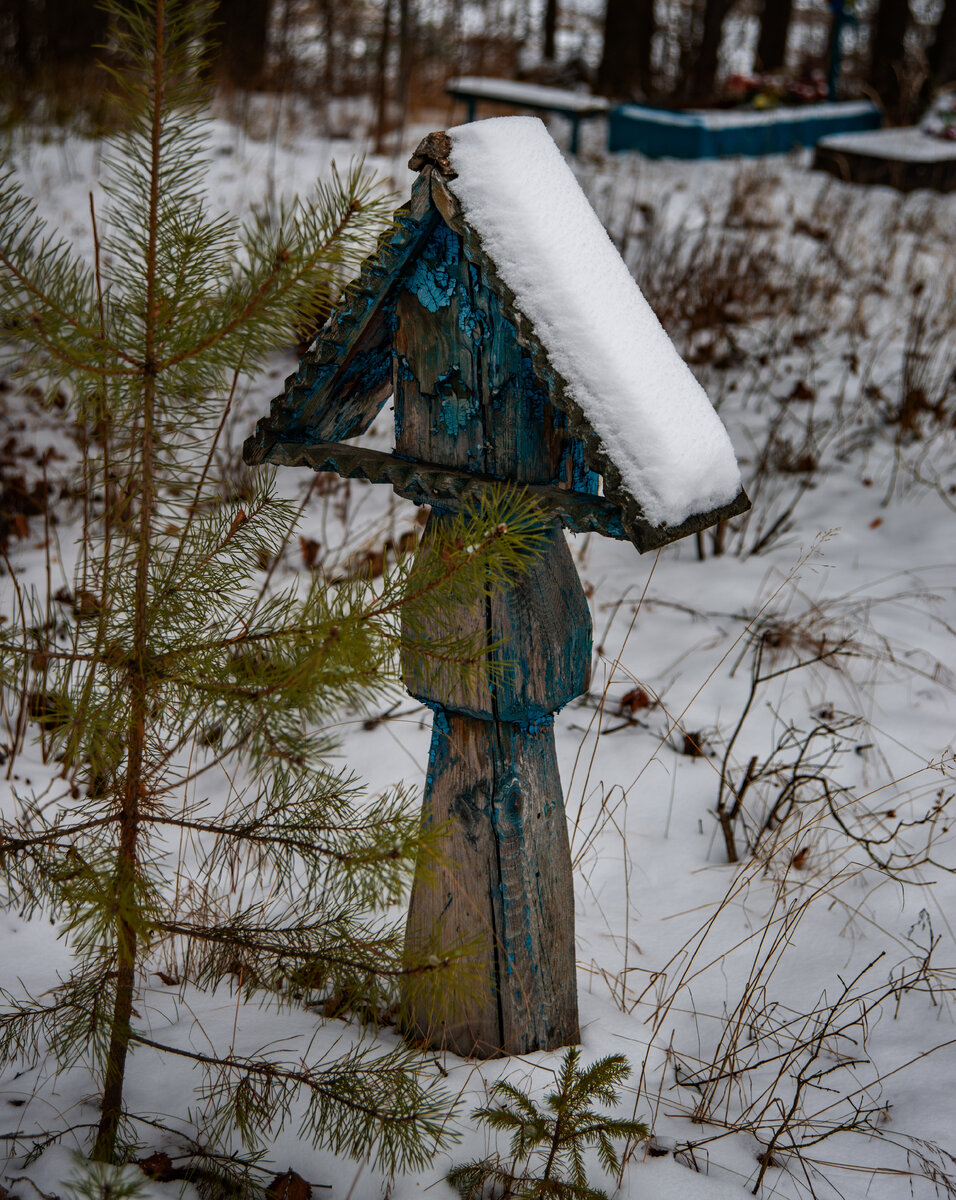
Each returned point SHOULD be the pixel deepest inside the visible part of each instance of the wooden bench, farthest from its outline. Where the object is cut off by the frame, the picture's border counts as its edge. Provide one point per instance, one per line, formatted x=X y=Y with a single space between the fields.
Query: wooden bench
x=575 y=106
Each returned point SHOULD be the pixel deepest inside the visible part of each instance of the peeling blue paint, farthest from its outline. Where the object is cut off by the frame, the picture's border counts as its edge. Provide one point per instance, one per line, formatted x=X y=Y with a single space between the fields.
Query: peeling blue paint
x=455 y=413
x=615 y=527
x=438 y=749
x=536 y=398
x=471 y=321
x=457 y=403
x=431 y=285
x=583 y=479
x=433 y=279
x=368 y=369
x=537 y=722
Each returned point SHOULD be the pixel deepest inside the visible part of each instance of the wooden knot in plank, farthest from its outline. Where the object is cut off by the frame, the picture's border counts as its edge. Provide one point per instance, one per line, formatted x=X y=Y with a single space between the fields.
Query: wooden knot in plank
x=434 y=150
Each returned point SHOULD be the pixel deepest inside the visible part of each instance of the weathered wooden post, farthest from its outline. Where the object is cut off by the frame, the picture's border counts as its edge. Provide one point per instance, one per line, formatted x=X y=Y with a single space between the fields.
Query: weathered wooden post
x=518 y=348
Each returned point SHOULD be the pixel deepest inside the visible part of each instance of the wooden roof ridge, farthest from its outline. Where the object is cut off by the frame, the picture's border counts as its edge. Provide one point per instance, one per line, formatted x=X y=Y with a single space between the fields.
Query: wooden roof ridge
x=308 y=388
x=433 y=154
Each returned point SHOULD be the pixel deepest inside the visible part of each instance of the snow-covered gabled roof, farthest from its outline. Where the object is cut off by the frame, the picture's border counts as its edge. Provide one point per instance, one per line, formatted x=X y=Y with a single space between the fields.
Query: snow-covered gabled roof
x=651 y=416
x=644 y=423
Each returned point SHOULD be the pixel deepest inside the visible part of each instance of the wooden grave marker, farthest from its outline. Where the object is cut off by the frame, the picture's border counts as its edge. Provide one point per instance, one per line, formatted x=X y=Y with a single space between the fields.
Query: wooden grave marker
x=431 y=322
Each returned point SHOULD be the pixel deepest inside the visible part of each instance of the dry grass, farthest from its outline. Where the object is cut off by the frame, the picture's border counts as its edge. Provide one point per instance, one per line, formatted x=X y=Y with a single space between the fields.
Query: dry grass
x=807 y=835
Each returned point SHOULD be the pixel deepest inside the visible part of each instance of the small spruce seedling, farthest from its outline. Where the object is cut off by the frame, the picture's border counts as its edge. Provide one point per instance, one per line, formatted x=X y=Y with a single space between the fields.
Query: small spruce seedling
x=548 y=1144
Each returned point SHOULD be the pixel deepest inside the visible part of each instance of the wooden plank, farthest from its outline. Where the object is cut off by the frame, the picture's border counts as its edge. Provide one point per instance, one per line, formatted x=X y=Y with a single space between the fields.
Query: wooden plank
x=466 y=394
x=502 y=886
x=540 y=628
x=451 y=488
x=447 y=487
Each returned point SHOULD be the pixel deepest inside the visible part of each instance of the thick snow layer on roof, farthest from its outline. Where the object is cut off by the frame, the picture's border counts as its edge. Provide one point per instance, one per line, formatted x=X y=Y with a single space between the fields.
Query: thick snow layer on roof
x=549 y=247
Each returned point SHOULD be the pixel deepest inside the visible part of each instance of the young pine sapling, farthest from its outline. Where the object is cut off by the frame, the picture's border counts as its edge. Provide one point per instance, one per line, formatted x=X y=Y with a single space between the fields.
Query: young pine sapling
x=180 y=668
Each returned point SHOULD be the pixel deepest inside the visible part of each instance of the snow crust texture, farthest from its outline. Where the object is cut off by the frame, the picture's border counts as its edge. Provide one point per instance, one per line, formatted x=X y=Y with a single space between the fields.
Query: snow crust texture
x=549 y=246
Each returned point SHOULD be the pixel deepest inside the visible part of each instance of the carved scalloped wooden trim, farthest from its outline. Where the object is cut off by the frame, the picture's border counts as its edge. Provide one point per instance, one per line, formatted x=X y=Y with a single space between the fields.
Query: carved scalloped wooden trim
x=452 y=488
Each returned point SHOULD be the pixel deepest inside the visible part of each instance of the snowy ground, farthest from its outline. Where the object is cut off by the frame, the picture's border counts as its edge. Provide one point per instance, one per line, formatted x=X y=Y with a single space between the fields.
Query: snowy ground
x=794 y=298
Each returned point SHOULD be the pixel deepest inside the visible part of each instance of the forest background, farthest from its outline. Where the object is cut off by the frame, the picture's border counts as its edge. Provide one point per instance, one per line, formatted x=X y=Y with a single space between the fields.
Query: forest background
x=397 y=55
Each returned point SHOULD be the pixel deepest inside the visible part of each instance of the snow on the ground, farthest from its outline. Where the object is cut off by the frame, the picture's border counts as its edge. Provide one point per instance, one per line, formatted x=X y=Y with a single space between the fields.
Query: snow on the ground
x=549 y=247
x=678 y=950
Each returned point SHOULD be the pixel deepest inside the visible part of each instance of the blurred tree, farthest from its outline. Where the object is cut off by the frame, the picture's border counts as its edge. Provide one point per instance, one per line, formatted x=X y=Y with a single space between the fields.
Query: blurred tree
x=381 y=81
x=406 y=46
x=239 y=37
x=17 y=40
x=393 y=72
x=701 y=77
x=774 y=27
x=629 y=28
x=887 y=35
x=550 y=28
x=327 y=14
x=74 y=30
x=941 y=55
x=49 y=33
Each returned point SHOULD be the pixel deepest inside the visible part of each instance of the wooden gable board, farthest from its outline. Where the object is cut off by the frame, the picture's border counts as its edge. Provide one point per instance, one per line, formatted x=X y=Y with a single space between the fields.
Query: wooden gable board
x=345 y=378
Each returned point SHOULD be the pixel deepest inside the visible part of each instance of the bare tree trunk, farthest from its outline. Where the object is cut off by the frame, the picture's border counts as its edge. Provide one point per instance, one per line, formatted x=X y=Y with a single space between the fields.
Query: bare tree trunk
x=327 y=8
x=19 y=37
x=774 y=27
x=550 y=28
x=703 y=74
x=240 y=35
x=51 y=33
x=406 y=46
x=887 y=34
x=73 y=30
x=629 y=29
x=941 y=56
x=381 y=83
